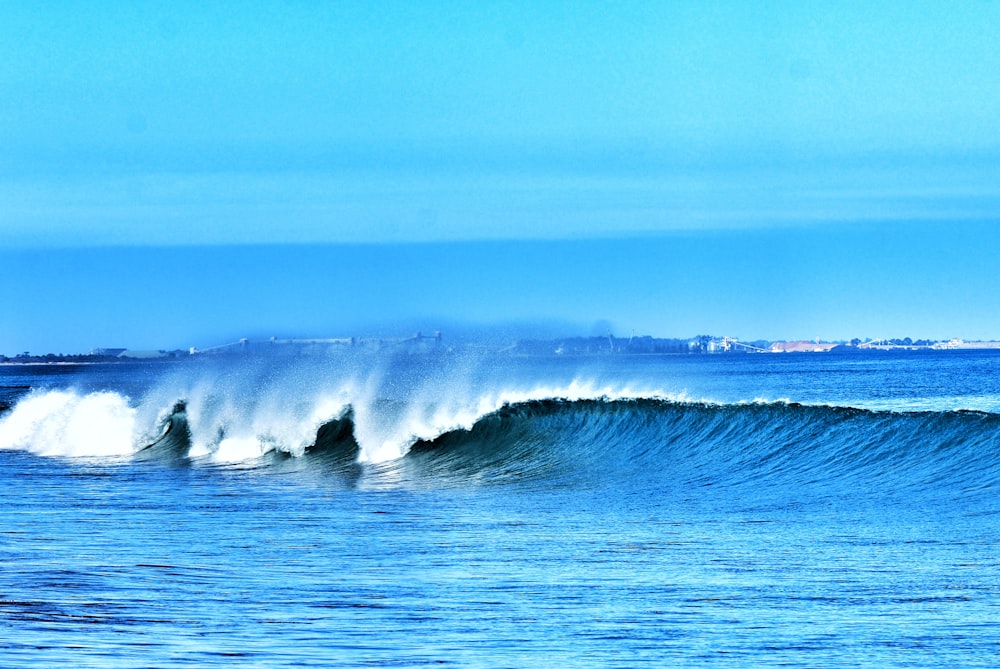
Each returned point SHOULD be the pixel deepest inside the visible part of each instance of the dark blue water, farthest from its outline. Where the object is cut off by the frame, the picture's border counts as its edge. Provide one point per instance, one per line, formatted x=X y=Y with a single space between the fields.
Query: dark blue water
x=798 y=510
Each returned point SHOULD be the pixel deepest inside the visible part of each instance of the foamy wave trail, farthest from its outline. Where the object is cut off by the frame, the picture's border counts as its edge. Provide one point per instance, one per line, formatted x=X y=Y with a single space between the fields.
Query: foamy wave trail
x=576 y=434
x=241 y=415
x=69 y=423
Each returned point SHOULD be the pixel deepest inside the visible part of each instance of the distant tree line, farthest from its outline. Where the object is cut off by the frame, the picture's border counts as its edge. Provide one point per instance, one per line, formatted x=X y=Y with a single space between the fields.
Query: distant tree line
x=26 y=357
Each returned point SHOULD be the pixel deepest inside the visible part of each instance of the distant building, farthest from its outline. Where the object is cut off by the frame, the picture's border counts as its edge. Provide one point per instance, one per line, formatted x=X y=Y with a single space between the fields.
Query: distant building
x=800 y=347
x=294 y=347
x=961 y=344
x=110 y=352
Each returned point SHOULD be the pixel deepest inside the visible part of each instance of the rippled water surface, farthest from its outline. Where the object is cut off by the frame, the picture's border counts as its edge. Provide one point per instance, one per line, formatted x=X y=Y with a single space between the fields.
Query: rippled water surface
x=580 y=532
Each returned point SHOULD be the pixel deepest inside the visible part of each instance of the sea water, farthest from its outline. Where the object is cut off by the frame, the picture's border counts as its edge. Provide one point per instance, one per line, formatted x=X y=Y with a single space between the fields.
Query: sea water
x=483 y=510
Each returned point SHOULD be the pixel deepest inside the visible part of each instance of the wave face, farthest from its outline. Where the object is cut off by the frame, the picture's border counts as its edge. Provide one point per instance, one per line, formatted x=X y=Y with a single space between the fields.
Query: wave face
x=649 y=442
x=459 y=423
x=666 y=444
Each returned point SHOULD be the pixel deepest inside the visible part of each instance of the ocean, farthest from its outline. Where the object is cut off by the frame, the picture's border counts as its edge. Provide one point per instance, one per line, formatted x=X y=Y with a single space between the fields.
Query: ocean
x=473 y=509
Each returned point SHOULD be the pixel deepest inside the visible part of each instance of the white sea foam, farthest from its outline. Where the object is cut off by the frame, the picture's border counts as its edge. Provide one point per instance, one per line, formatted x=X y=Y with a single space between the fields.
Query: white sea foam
x=67 y=423
x=434 y=412
x=234 y=418
x=237 y=414
x=232 y=429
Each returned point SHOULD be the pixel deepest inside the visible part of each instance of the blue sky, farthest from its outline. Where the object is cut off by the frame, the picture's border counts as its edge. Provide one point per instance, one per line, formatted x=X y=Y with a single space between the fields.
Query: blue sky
x=765 y=170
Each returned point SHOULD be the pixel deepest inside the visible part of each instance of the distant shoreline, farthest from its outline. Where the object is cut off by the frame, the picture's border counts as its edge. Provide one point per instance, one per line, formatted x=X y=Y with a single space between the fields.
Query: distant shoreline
x=567 y=348
x=593 y=345
x=71 y=363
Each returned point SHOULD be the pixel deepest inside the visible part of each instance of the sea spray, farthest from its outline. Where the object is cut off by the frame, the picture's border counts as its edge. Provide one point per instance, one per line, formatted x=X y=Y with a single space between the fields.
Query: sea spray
x=68 y=423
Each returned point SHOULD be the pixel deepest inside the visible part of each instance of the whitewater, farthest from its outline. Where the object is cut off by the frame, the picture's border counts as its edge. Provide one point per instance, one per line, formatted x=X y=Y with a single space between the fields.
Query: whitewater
x=479 y=509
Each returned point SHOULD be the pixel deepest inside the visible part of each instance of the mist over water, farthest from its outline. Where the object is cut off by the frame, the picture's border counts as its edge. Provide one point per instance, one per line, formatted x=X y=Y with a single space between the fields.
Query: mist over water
x=239 y=408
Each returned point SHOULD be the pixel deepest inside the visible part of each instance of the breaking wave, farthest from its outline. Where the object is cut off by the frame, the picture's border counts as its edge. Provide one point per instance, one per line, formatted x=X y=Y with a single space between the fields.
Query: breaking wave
x=578 y=432
x=68 y=423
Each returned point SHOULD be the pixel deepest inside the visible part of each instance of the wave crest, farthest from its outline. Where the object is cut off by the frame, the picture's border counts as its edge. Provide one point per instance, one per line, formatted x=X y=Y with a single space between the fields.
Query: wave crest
x=579 y=432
